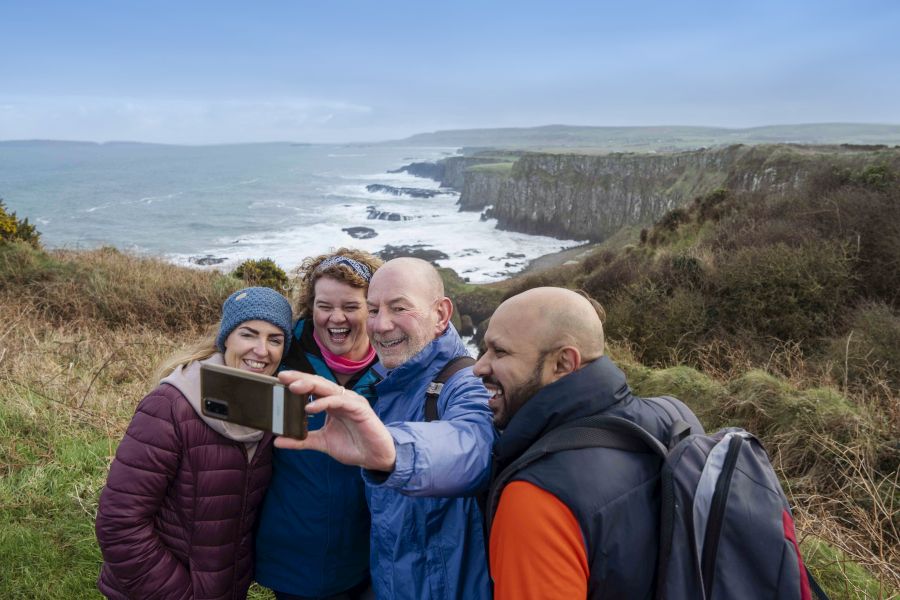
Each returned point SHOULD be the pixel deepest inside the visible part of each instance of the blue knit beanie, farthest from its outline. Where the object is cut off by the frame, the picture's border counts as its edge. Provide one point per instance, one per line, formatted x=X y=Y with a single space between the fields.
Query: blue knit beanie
x=250 y=304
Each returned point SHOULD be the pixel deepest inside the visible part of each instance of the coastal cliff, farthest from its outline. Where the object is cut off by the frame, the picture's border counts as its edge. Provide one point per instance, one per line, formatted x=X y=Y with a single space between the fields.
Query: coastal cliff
x=591 y=196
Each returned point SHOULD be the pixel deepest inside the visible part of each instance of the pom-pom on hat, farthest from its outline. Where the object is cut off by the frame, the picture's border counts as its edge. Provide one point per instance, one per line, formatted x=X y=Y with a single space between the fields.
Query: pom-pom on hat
x=250 y=304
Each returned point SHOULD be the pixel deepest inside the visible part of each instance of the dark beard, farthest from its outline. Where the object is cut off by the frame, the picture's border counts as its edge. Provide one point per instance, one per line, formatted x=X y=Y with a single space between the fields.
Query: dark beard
x=516 y=399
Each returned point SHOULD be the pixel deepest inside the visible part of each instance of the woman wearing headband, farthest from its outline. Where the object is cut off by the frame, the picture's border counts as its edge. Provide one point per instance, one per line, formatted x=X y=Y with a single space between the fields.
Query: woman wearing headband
x=313 y=538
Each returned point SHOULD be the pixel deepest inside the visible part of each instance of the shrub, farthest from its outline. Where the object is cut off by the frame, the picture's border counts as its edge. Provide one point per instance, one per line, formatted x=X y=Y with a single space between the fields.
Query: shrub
x=877 y=177
x=13 y=229
x=870 y=351
x=558 y=277
x=661 y=324
x=869 y=222
x=112 y=287
x=621 y=272
x=783 y=292
x=601 y=258
x=709 y=207
x=668 y=225
x=476 y=301
x=263 y=272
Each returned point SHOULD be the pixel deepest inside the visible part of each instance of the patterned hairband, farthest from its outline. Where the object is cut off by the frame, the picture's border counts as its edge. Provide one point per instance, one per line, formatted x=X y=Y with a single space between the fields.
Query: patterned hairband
x=358 y=268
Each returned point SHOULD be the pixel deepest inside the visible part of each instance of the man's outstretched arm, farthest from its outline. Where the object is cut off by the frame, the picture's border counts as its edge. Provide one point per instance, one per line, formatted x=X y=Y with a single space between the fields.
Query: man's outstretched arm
x=353 y=434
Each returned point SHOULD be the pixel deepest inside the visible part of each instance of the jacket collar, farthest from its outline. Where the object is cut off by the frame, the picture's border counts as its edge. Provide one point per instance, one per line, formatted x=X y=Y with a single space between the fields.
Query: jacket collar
x=427 y=363
x=590 y=390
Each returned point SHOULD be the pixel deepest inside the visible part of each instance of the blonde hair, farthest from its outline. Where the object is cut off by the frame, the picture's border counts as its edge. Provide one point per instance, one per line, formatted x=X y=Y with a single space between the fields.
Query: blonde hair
x=308 y=273
x=198 y=351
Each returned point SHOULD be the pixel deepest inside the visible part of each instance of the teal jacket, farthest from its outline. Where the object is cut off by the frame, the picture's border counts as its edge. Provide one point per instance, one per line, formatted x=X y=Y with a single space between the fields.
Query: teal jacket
x=313 y=537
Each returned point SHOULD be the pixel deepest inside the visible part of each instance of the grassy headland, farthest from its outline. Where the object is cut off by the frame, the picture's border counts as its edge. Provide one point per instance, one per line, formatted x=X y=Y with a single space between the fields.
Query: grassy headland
x=776 y=314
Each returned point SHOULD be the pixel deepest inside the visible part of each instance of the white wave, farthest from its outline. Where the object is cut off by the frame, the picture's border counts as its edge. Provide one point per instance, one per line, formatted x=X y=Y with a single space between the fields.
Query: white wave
x=474 y=247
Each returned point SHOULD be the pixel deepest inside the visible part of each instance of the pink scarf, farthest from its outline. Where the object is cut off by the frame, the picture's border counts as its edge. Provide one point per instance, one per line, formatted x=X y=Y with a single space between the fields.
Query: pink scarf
x=338 y=363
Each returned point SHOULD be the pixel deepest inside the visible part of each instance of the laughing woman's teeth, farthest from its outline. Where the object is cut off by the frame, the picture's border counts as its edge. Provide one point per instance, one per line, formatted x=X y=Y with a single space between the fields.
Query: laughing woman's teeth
x=254 y=364
x=339 y=334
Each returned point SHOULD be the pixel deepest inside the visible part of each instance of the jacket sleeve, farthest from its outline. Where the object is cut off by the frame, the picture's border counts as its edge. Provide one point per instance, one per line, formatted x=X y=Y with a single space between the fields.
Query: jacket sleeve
x=449 y=457
x=536 y=548
x=145 y=465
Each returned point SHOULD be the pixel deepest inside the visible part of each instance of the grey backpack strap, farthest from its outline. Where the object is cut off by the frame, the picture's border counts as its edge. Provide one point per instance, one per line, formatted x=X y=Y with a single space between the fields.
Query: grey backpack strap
x=679 y=428
x=434 y=388
x=597 y=431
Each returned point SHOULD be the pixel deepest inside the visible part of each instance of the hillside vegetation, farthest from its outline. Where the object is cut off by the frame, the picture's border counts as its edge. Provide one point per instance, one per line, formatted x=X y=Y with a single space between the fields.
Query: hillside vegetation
x=776 y=314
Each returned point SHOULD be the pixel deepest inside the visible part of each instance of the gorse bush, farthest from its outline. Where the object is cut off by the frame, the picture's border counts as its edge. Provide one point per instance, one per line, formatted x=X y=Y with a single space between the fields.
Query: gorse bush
x=13 y=229
x=262 y=272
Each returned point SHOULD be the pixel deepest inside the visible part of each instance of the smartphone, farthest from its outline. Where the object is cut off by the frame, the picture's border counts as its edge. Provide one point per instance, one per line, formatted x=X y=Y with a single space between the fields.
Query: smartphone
x=251 y=399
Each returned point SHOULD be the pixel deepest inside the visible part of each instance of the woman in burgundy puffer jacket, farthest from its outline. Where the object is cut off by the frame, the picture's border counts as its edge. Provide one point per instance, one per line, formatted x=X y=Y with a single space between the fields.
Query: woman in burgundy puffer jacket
x=177 y=515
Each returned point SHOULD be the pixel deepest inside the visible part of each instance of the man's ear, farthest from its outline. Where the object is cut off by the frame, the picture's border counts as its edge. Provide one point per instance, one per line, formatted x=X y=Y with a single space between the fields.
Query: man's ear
x=568 y=360
x=444 y=311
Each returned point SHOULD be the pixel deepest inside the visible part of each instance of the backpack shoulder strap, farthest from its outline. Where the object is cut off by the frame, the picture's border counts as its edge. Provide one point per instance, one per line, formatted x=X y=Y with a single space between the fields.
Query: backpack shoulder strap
x=434 y=388
x=598 y=431
x=679 y=427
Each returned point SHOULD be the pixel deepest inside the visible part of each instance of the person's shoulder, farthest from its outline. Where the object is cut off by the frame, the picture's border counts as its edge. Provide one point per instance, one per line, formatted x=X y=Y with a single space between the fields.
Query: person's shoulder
x=166 y=402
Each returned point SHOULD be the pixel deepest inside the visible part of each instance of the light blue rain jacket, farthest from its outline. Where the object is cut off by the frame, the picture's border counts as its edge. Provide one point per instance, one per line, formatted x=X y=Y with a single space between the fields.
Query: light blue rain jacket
x=427 y=536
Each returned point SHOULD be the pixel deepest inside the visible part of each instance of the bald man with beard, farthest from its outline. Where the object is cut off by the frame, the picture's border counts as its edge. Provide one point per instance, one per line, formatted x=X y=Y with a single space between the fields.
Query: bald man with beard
x=579 y=523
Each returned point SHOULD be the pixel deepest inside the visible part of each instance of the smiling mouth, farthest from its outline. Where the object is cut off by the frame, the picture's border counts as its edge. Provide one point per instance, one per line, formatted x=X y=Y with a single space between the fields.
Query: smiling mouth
x=390 y=343
x=496 y=393
x=254 y=365
x=339 y=334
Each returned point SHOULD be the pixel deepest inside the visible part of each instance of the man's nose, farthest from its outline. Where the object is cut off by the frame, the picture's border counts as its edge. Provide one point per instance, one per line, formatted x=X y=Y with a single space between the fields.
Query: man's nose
x=380 y=321
x=481 y=367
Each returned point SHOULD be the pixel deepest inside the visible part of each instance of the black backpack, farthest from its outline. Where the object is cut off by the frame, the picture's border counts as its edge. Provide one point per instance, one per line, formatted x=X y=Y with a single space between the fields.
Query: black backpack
x=726 y=530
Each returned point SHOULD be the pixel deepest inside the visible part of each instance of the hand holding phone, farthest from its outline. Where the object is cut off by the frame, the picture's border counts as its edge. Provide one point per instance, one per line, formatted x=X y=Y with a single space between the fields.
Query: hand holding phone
x=251 y=399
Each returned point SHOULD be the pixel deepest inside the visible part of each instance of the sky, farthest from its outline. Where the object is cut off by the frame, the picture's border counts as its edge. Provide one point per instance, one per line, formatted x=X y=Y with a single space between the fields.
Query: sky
x=202 y=72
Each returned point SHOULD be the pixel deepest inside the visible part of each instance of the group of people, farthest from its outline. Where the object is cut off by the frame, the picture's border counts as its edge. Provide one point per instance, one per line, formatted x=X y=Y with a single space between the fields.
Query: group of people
x=391 y=504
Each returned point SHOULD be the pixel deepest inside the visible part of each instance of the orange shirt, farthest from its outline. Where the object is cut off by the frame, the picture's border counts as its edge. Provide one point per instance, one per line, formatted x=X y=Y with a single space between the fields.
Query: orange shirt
x=536 y=547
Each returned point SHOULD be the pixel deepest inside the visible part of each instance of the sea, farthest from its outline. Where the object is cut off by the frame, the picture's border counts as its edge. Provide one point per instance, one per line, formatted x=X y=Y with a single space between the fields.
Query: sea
x=215 y=206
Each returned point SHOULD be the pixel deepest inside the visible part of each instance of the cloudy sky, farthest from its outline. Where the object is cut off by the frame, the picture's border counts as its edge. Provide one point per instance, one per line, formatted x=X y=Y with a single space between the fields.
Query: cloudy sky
x=199 y=72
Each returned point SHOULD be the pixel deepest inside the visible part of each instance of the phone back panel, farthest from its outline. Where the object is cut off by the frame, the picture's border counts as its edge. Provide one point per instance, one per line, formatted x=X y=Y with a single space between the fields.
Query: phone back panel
x=250 y=399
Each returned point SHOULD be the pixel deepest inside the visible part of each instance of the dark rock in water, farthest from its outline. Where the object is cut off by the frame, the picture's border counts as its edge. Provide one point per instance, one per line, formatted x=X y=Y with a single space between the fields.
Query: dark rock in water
x=360 y=233
x=428 y=170
x=514 y=255
x=466 y=327
x=383 y=215
x=207 y=260
x=403 y=191
x=415 y=250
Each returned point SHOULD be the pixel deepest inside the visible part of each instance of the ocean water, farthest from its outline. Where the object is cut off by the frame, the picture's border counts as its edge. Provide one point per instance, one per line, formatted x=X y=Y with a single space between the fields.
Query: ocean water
x=281 y=201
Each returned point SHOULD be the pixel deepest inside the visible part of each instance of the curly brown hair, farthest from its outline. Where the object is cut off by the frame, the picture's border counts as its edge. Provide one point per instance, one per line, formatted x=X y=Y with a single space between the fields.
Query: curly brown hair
x=308 y=273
